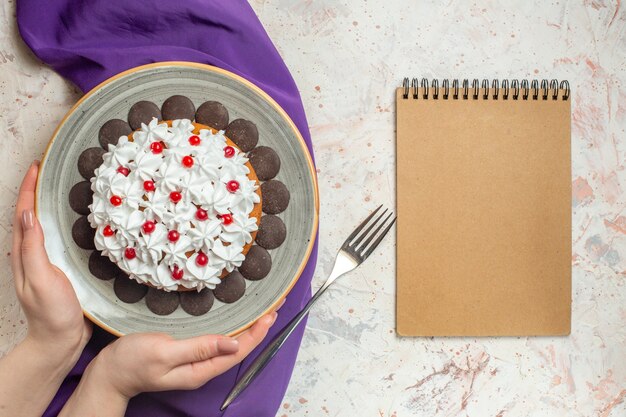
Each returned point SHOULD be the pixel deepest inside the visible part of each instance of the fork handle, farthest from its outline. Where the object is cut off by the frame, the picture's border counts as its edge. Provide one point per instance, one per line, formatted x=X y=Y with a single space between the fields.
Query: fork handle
x=270 y=350
x=261 y=361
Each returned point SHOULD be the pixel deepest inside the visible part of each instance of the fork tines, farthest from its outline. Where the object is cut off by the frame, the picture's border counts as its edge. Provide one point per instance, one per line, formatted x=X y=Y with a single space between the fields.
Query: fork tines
x=362 y=242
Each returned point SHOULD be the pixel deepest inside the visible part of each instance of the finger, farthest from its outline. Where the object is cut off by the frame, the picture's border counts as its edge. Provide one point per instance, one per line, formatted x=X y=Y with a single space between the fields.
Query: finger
x=34 y=256
x=248 y=340
x=201 y=348
x=193 y=375
x=25 y=200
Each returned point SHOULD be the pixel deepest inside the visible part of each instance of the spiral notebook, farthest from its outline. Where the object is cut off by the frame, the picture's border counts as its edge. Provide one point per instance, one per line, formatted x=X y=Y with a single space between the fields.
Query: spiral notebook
x=484 y=208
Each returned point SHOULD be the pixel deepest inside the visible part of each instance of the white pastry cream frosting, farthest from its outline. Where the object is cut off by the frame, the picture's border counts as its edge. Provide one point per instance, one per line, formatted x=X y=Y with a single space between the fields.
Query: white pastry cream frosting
x=173 y=208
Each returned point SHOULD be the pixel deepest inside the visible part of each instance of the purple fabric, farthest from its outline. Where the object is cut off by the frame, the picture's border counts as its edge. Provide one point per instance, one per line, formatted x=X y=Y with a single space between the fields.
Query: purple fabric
x=89 y=41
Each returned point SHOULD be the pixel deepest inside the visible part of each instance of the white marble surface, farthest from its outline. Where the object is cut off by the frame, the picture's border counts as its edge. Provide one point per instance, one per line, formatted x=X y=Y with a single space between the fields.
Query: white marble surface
x=347 y=57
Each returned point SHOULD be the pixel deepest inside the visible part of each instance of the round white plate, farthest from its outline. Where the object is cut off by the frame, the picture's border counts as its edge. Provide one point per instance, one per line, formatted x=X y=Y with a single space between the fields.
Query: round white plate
x=156 y=82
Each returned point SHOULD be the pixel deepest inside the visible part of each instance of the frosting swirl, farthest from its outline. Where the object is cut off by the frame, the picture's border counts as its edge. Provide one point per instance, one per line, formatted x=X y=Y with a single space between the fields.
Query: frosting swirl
x=170 y=208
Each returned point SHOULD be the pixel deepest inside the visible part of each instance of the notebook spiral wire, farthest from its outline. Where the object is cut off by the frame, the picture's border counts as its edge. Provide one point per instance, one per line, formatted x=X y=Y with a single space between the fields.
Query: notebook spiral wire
x=504 y=90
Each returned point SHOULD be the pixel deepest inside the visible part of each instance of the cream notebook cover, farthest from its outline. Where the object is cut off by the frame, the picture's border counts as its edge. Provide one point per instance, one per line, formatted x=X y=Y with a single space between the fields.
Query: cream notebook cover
x=484 y=208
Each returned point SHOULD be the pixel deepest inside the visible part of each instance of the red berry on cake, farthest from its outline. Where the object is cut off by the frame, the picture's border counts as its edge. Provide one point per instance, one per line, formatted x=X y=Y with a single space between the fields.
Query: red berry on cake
x=176 y=196
x=232 y=186
x=227 y=218
x=229 y=151
x=173 y=235
x=116 y=200
x=149 y=185
x=156 y=147
x=177 y=273
x=201 y=214
x=187 y=161
x=124 y=171
x=148 y=227
x=202 y=259
x=129 y=253
x=194 y=140
x=107 y=231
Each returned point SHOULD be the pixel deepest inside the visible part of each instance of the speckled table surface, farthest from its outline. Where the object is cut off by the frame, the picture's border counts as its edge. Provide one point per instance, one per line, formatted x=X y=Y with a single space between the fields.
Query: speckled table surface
x=347 y=57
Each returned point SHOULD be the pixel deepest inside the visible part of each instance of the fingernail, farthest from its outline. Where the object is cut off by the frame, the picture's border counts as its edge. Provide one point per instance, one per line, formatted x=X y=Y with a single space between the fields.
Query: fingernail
x=281 y=303
x=227 y=345
x=28 y=219
x=274 y=317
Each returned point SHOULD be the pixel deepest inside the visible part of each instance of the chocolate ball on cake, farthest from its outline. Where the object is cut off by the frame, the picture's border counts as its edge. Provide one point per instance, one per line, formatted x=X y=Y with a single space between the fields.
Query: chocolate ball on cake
x=244 y=133
x=102 y=268
x=178 y=107
x=80 y=197
x=111 y=131
x=197 y=303
x=265 y=162
x=275 y=197
x=89 y=160
x=231 y=289
x=143 y=112
x=162 y=302
x=128 y=290
x=214 y=114
x=272 y=232
x=257 y=264
x=83 y=234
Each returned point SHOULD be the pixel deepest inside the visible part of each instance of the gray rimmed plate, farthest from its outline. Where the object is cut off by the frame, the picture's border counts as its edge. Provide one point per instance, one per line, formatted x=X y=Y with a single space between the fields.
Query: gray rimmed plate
x=156 y=82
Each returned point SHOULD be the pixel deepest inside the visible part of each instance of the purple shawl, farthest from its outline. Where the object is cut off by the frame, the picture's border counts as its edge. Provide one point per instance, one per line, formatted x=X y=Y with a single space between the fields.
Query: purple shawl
x=89 y=41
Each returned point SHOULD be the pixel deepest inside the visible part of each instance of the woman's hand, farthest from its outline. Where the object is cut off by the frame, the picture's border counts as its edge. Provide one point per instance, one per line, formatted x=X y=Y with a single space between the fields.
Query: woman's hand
x=57 y=332
x=55 y=320
x=156 y=362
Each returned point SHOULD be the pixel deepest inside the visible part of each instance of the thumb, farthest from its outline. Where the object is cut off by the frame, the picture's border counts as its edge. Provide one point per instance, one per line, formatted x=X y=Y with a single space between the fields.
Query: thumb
x=34 y=256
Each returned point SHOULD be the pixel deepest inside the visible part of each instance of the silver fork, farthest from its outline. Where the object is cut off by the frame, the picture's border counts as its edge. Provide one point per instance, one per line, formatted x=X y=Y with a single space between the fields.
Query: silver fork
x=354 y=251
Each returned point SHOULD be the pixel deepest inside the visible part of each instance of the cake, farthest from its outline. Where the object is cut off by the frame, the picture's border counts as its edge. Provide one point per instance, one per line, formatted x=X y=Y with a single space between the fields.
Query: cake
x=176 y=205
x=213 y=257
